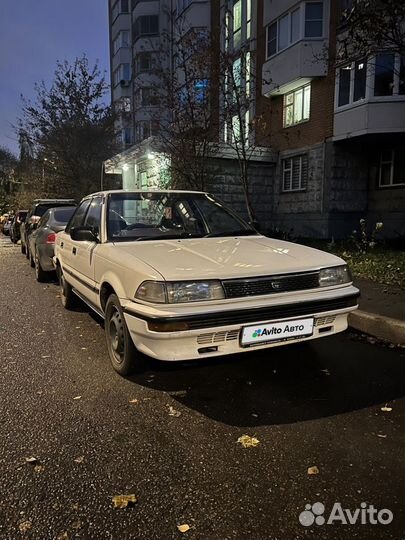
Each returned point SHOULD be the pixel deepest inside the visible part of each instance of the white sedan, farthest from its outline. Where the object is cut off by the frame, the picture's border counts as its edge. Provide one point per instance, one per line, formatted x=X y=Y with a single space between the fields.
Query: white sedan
x=177 y=275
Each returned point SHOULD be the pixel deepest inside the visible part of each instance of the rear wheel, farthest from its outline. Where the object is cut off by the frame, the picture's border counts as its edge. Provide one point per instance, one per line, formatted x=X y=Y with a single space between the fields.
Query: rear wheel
x=40 y=274
x=22 y=248
x=68 y=297
x=32 y=261
x=123 y=354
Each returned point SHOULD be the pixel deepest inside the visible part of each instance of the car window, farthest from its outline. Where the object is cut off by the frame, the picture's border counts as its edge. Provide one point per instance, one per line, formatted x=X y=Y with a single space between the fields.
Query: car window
x=78 y=217
x=44 y=220
x=61 y=216
x=93 y=217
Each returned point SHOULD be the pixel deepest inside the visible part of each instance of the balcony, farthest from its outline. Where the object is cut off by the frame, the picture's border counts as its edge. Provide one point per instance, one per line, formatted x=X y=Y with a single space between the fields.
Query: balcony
x=294 y=66
x=378 y=115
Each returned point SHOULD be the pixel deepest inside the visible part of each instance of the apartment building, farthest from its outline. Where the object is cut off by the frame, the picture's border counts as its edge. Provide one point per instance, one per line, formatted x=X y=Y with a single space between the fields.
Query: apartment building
x=324 y=138
x=338 y=129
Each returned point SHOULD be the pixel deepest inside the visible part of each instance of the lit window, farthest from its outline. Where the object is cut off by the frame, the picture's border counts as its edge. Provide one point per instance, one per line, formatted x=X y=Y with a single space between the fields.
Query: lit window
x=247 y=74
x=295 y=173
x=297 y=106
x=237 y=23
x=248 y=19
x=235 y=128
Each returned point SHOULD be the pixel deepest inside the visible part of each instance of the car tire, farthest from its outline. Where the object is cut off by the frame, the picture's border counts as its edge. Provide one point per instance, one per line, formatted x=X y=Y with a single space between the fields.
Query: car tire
x=40 y=274
x=22 y=248
x=27 y=252
x=32 y=261
x=68 y=297
x=124 y=356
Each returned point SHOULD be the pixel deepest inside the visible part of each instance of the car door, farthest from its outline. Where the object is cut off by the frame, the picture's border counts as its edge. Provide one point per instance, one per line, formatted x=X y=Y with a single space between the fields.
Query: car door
x=67 y=248
x=85 y=251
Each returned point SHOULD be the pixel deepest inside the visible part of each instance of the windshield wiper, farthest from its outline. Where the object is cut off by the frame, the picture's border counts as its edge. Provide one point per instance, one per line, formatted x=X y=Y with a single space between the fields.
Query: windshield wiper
x=242 y=232
x=169 y=236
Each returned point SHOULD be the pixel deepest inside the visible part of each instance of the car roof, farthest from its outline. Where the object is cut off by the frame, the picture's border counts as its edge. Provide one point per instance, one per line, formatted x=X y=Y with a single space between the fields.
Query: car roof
x=50 y=201
x=154 y=190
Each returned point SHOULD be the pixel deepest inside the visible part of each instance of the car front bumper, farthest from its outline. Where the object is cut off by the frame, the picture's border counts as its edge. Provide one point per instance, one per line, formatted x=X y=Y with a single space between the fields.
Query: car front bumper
x=217 y=333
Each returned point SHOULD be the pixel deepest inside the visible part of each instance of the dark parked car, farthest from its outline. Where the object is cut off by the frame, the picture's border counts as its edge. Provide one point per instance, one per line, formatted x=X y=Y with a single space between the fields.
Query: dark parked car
x=15 y=232
x=7 y=225
x=42 y=240
x=37 y=210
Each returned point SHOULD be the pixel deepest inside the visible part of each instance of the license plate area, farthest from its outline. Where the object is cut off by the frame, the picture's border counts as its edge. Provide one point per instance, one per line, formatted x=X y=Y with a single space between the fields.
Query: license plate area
x=270 y=332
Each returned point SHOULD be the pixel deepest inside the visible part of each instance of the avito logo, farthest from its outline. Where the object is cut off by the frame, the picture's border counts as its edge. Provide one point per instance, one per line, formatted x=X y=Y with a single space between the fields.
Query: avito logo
x=366 y=514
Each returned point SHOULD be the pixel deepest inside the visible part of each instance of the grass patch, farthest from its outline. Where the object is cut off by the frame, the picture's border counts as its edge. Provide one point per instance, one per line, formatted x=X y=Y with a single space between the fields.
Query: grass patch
x=382 y=264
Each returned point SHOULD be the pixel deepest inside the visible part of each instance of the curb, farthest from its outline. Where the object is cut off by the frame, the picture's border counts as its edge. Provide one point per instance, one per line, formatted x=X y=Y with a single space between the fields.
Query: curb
x=386 y=328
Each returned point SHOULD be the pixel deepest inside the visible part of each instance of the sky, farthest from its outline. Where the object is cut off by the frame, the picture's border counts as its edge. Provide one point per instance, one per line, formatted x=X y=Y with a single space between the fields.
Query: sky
x=34 y=34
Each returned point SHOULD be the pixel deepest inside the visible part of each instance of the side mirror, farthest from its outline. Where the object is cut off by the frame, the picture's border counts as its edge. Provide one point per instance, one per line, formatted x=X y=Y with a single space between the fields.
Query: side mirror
x=83 y=234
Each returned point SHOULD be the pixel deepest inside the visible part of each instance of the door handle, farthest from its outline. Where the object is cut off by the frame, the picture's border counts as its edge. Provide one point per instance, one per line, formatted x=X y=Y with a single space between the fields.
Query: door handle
x=74 y=251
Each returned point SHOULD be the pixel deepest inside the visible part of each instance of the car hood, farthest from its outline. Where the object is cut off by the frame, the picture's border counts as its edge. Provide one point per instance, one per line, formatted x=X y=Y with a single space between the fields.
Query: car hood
x=223 y=258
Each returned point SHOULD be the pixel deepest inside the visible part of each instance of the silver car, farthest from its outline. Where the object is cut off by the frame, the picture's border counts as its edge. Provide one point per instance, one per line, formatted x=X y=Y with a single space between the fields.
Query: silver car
x=42 y=240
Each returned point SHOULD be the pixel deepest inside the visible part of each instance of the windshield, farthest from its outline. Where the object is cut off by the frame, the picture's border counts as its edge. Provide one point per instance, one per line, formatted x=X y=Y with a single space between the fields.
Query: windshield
x=162 y=215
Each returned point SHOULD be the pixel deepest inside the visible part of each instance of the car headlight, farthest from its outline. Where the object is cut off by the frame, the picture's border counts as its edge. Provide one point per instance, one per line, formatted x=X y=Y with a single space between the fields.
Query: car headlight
x=337 y=275
x=180 y=291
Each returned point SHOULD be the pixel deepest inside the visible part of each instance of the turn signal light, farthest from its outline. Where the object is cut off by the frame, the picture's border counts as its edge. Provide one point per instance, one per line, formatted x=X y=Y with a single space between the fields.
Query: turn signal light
x=167 y=326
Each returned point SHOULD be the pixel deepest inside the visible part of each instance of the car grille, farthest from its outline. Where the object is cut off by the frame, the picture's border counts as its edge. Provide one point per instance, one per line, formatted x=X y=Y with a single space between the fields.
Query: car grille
x=268 y=313
x=237 y=288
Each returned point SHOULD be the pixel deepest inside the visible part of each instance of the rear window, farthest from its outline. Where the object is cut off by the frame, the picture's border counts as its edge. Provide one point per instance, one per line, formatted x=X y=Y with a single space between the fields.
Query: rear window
x=63 y=215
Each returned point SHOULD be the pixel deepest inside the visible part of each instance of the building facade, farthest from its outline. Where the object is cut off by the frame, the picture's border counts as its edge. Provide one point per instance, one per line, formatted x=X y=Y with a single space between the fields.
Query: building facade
x=324 y=141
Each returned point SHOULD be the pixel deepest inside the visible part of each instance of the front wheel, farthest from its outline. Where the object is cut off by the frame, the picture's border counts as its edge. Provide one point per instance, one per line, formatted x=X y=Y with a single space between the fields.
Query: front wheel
x=123 y=354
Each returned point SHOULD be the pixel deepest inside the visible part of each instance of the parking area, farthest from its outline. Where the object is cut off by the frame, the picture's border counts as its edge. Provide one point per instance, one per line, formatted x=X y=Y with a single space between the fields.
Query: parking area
x=170 y=435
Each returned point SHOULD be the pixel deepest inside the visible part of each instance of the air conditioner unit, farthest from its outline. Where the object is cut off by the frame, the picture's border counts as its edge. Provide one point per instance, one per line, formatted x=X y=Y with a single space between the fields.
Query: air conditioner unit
x=124 y=83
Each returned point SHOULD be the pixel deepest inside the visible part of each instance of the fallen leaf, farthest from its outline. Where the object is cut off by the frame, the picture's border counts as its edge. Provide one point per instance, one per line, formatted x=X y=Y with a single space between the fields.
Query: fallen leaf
x=183 y=528
x=255 y=415
x=25 y=526
x=46 y=356
x=63 y=536
x=134 y=401
x=31 y=459
x=173 y=412
x=247 y=441
x=313 y=470
x=78 y=397
x=178 y=393
x=386 y=409
x=39 y=468
x=122 y=501
x=381 y=436
x=79 y=459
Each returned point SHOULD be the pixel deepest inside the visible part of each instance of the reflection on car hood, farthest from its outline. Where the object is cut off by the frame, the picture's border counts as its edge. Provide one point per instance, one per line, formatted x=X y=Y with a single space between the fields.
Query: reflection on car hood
x=223 y=258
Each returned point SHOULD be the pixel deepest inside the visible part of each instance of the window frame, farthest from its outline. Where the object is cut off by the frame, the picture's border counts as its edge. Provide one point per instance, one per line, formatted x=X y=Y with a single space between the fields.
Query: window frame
x=287 y=106
x=303 y=182
x=301 y=7
x=390 y=162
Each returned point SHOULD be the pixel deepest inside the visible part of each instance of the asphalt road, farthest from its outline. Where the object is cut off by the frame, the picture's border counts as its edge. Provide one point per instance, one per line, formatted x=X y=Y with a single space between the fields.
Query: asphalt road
x=313 y=405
